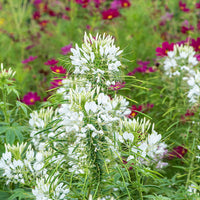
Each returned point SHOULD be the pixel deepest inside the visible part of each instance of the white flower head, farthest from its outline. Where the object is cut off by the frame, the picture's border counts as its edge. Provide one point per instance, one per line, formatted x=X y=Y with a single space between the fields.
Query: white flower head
x=97 y=56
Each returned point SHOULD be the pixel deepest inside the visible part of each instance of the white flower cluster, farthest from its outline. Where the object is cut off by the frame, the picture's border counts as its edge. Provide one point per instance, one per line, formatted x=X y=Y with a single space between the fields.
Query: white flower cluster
x=98 y=56
x=194 y=88
x=39 y=120
x=17 y=169
x=180 y=60
x=49 y=188
x=8 y=74
x=149 y=146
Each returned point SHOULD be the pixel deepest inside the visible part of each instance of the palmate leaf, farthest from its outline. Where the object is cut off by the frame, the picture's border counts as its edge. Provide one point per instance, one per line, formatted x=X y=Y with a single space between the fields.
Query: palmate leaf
x=10 y=136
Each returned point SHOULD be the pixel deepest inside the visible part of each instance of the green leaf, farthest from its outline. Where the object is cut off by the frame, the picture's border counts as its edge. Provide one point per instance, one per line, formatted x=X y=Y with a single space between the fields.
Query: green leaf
x=4 y=195
x=10 y=136
x=23 y=106
x=19 y=135
x=3 y=129
x=21 y=194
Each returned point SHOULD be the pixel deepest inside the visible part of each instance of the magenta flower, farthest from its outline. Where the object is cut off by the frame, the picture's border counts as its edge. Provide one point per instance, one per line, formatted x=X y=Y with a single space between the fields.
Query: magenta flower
x=84 y=3
x=125 y=3
x=196 y=44
x=177 y=152
x=115 y=4
x=134 y=108
x=36 y=15
x=31 y=58
x=185 y=29
x=198 y=5
x=110 y=14
x=51 y=62
x=66 y=49
x=182 y=6
x=56 y=82
x=58 y=69
x=37 y=2
x=162 y=51
x=117 y=86
x=30 y=98
x=142 y=69
x=197 y=56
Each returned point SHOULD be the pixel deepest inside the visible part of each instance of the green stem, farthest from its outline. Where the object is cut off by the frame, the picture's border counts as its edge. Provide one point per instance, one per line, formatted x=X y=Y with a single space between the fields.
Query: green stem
x=5 y=108
x=191 y=165
x=138 y=182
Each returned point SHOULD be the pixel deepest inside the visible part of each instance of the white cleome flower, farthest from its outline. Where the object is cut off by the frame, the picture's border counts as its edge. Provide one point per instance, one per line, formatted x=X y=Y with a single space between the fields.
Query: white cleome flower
x=194 y=91
x=98 y=56
x=181 y=60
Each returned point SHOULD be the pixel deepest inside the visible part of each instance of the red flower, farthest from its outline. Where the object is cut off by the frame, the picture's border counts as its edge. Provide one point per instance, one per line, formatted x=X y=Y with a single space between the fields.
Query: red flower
x=196 y=44
x=30 y=98
x=182 y=6
x=133 y=109
x=31 y=58
x=58 y=69
x=162 y=51
x=36 y=15
x=185 y=29
x=125 y=3
x=66 y=49
x=110 y=14
x=117 y=86
x=52 y=13
x=44 y=23
x=51 y=62
x=177 y=152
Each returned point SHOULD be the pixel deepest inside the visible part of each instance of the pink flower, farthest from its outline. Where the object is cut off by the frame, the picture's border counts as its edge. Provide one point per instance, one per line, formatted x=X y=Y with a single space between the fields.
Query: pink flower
x=197 y=56
x=196 y=44
x=115 y=4
x=167 y=17
x=117 y=86
x=182 y=6
x=30 y=98
x=120 y=4
x=51 y=62
x=178 y=152
x=58 y=69
x=110 y=14
x=66 y=49
x=31 y=58
x=162 y=51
